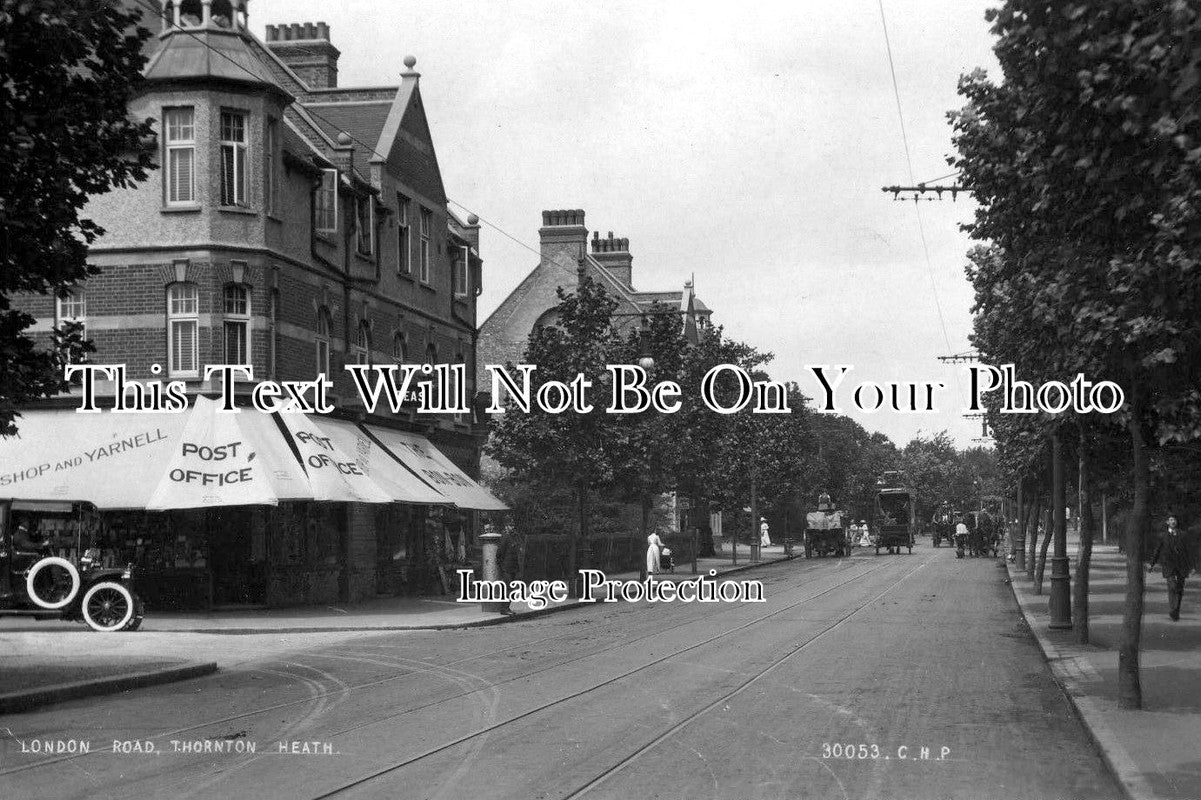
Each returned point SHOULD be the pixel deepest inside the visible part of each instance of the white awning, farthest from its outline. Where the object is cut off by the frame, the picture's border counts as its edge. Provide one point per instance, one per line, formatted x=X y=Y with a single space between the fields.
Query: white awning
x=432 y=466
x=111 y=460
x=229 y=458
x=334 y=473
x=378 y=464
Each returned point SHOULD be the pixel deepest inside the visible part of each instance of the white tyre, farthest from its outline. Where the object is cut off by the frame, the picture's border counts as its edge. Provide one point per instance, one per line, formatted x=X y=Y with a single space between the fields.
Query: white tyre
x=36 y=569
x=107 y=607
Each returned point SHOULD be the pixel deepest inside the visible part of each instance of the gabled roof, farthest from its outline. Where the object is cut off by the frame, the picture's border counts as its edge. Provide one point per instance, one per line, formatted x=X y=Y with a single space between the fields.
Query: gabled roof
x=362 y=120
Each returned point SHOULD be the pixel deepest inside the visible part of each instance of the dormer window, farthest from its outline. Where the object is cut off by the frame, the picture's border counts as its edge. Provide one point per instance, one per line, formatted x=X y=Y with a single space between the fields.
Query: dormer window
x=460 y=277
x=364 y=212
x=427 y=224
x=325 y=203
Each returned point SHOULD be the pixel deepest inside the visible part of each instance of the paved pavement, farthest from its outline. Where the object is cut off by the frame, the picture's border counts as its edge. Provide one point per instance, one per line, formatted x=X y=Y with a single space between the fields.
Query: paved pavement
x=1155 y=752
x=909 y=676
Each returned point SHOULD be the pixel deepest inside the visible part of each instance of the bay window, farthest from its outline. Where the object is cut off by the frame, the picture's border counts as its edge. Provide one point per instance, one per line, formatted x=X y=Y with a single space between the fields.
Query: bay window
x=179 y=126
x=183 y=330
x=233 y=158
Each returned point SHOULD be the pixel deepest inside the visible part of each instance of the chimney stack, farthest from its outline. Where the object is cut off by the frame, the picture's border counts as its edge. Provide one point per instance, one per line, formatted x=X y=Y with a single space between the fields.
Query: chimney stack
x=563 y=237
x=614 y=255
x=307 y=51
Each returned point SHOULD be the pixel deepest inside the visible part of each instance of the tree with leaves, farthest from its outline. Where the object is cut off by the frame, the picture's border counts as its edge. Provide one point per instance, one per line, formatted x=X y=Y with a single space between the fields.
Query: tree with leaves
x=653 y=448
x=1083 y=160
x=576 y=449
x=68 y=69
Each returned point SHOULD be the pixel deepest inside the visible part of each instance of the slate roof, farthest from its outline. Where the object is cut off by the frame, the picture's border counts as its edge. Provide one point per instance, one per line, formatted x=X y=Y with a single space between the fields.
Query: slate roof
x=364 y=121
x=209 y=54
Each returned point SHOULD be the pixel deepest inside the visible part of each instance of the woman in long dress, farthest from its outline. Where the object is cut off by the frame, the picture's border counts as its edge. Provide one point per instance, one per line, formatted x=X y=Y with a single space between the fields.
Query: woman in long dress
x=653 y=545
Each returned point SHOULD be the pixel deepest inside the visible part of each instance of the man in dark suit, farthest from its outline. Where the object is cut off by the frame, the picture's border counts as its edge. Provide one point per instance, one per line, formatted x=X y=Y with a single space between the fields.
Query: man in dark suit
x=26 y=549
x=1176 y=562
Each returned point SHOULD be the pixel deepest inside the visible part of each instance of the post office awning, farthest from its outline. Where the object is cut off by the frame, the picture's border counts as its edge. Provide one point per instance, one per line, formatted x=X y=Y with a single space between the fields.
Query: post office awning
x=379 y=464
x=333 y=473
x=229 y=458
x=430 y=464
x=110 y=460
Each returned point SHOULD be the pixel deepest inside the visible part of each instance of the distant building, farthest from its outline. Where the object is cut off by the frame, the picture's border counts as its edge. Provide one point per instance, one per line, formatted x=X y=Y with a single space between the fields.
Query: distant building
x=294 y=226
x=565 y=253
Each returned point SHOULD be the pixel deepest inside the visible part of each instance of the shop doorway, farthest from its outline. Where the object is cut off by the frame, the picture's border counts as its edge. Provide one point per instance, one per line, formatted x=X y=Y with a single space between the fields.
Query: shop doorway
x=238 y=555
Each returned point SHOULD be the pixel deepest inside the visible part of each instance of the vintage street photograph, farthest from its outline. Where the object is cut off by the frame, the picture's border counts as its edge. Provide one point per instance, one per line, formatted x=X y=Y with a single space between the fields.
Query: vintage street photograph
x=658 y=399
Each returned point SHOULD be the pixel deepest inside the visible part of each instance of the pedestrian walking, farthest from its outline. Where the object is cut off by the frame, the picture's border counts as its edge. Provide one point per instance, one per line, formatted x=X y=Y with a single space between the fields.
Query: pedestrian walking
x=653 y=545
x=508 y=558
x=1176 y=562
x=764 y=534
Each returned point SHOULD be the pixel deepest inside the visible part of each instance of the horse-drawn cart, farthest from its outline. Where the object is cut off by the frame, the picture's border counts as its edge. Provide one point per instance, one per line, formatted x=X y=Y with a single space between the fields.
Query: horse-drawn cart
x=825 y=534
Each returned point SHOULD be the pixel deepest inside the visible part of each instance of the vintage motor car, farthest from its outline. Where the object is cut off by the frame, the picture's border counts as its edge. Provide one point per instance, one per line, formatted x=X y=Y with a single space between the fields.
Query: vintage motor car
x=36 y=583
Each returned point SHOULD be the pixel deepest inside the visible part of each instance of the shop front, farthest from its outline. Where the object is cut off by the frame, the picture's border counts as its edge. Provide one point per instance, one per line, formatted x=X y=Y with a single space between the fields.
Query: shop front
x=242 y=510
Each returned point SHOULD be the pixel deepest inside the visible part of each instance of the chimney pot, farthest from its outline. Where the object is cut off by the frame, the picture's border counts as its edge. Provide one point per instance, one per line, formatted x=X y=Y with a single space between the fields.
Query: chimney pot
x=563 y=236
x=613 y=253
x=316 y=63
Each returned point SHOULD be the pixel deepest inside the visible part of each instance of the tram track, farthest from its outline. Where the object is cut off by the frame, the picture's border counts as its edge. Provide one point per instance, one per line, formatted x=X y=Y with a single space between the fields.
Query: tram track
x=486 y=730
x=344 y=690
x=723 y=699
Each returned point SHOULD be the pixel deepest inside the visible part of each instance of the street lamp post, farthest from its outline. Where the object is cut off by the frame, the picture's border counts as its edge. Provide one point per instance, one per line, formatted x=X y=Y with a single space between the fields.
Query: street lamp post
x=1061 y=594
x=647 y=363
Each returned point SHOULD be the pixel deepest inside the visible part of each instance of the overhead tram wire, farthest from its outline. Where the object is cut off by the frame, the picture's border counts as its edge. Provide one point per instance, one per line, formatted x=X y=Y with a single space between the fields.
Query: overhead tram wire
x=369 y=147
x=909 y=164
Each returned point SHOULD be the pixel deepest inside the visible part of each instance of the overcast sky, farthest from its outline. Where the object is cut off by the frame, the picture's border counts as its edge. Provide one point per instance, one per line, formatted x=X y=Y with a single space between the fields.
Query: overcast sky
x=745 y=142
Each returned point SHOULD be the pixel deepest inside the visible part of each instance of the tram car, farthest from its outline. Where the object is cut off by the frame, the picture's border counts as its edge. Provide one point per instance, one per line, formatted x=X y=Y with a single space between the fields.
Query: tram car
x=895 y=522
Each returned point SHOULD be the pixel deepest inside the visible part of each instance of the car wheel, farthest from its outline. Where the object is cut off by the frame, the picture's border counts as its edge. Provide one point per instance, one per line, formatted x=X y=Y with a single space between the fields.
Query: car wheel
x=60 y=599
x=108 y=607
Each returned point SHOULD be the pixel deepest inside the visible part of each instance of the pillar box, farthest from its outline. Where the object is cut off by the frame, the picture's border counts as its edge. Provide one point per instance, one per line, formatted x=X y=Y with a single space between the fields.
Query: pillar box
x=491 y=543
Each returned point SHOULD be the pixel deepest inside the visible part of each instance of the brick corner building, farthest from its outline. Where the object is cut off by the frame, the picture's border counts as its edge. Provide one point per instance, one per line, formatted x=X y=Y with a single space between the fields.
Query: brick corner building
x=294 y=226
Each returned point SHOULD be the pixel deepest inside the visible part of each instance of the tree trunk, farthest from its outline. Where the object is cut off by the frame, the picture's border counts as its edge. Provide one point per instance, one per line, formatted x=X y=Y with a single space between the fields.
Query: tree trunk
x=1024 y=510
x=1080 y=604
x=754 y=522
x=1130 y=692
x=1036 y=510
x=580 y=534
x=1048 y=534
